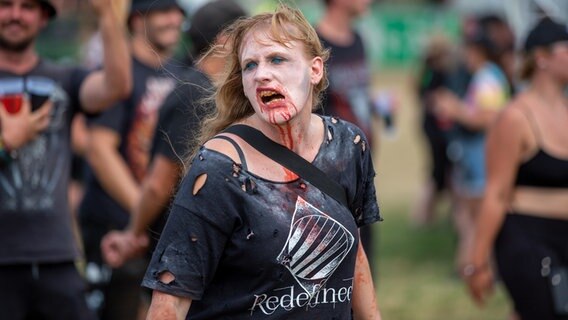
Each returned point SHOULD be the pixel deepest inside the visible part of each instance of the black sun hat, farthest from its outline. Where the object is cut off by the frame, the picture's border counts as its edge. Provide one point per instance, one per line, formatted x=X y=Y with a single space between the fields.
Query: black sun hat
x=49 y=7
x=545 y=33
x=143 y=6
x=209 y=20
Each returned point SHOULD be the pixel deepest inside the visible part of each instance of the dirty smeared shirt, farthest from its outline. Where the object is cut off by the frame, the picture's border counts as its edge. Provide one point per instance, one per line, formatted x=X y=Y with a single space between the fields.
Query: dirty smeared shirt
x=244 y=247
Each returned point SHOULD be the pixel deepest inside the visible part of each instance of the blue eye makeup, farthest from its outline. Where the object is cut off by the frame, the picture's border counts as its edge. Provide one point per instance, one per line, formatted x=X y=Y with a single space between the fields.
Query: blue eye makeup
x=250 y=65
x=277 y=60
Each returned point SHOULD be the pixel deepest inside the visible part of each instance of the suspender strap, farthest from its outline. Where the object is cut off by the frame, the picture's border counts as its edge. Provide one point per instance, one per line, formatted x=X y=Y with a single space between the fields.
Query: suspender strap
x=290 y=160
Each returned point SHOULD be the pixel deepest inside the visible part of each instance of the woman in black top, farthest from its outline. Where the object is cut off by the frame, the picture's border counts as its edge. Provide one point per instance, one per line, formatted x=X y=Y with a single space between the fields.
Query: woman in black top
x=524 y=213
x=247 y=238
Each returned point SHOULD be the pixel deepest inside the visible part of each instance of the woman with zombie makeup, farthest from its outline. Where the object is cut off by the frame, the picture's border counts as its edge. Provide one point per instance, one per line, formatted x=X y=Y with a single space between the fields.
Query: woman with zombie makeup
x=246 y=237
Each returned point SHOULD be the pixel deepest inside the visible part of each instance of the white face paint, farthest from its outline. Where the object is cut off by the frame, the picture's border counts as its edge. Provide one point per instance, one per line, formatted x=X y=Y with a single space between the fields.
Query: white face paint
x=277 y=80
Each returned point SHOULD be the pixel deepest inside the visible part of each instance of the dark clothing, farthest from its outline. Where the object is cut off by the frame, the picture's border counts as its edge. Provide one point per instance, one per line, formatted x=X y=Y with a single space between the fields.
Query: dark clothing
x=523 y=242
x=134 y=120
x=349 y=74
x=38 y=278
x=435 y=130
x=179 y=123
x=439 y=160
x=245 y=247
x=42 y=291
x=181 y=116
x=543 y=169
x=348 y=97
x=35 y=222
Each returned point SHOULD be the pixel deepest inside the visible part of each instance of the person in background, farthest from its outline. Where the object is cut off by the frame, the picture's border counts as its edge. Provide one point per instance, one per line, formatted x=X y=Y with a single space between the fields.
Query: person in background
x=180 y=120
x=523 y=218
x=503 y=38
x=246 y=237
x=348 y=96
x=434 y=75
x=487 y=93
x=118 y=154
x=38 y=277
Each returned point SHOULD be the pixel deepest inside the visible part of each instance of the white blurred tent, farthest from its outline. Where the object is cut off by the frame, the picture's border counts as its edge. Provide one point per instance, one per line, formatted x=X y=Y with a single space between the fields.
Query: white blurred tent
x=523 y=14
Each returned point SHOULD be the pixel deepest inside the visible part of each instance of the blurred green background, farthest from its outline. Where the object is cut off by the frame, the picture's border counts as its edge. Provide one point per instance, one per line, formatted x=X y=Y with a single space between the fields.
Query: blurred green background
x=395 y=31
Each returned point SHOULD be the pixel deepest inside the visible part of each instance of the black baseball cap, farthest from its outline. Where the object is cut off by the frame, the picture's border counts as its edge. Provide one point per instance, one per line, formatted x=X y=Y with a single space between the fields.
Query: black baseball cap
x=209 y=20
x=49 y=7
x=143 y=6
x=545 y=33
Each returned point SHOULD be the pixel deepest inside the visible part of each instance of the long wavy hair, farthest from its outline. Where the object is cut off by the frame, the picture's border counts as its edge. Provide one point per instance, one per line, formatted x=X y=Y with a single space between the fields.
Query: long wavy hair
x=283 y=26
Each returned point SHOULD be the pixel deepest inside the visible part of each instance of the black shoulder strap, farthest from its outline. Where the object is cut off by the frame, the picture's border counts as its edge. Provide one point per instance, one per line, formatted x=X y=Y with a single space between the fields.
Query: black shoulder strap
x=290 y=160
x=237 y=147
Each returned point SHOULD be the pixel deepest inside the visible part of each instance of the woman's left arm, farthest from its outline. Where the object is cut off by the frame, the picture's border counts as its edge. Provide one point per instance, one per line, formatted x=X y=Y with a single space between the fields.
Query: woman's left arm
x=364 y=300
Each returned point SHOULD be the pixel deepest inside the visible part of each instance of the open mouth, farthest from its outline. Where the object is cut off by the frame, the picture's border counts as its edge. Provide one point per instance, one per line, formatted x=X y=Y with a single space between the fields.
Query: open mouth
x=269 y=97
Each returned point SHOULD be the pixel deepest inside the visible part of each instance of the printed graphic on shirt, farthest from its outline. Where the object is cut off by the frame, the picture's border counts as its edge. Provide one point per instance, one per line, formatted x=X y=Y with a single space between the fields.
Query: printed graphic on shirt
x=316 y=246
x=29 y=183
x=289 y=298
x=145 y=121
x=348 y=85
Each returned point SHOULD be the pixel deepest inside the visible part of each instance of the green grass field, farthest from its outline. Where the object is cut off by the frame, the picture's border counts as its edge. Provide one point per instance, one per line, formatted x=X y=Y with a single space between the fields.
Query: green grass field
x=416 y=280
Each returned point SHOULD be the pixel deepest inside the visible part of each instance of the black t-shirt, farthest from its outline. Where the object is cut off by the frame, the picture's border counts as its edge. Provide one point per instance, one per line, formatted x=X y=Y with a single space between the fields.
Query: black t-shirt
x=181 y=116
x=348 y=96
x=246 y=247
x=134 y=120
x=35 y=220
x=178 y=125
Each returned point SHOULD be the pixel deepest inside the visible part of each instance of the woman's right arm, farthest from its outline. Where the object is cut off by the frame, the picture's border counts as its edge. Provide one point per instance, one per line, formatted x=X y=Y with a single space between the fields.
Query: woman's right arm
x=505 y=145
x=168 y=307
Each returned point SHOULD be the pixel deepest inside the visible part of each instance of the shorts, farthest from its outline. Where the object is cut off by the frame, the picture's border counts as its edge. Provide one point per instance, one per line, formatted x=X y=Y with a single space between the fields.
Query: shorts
x=43 y=291
x=522 y=244
x=468 y=156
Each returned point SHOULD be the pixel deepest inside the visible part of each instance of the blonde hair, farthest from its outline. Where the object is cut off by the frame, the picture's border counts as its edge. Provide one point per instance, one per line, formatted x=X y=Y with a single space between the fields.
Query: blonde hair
x=285 y=25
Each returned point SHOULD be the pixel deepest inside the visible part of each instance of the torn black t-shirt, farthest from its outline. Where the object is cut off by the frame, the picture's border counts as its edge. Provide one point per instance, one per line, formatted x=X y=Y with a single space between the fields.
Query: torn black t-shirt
x=244 y=247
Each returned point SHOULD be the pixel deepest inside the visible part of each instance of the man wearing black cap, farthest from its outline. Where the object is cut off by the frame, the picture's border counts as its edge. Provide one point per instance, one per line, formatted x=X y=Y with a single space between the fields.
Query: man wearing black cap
x=180 y=119
x=119 y=152
x=38 y=278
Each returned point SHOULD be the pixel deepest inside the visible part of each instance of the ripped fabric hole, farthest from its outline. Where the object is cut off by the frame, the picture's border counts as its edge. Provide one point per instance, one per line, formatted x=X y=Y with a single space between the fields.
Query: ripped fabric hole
x=199 y=183
x=166 y=277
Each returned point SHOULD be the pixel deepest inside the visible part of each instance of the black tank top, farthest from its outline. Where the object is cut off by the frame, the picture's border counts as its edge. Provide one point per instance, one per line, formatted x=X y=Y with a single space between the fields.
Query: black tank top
x=543 y=169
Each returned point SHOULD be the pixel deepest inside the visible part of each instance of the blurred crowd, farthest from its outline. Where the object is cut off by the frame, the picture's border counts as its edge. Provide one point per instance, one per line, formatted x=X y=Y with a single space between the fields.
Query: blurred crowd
x=491 y=112
x=91 y=156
